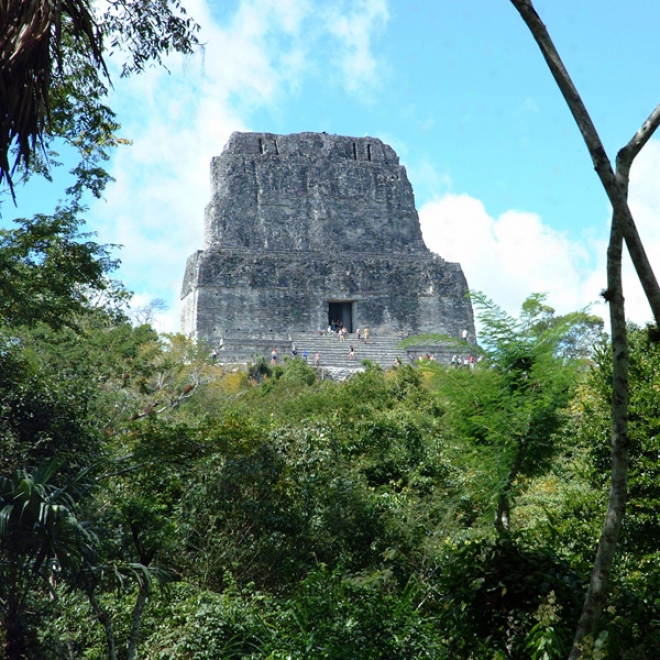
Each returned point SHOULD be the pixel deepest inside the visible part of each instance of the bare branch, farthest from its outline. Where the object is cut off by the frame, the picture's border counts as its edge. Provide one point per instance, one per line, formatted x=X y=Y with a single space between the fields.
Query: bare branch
x=628 y=153
x=617 y=196
x=616 y=504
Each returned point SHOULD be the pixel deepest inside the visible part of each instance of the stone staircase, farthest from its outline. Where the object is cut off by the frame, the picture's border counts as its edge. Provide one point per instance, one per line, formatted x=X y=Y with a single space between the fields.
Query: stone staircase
x=380 y=350
x=334 y=353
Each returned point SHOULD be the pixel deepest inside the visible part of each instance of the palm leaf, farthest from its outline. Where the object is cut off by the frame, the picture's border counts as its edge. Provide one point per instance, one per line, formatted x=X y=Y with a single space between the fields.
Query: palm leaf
x=5 y=517
x=31 y=37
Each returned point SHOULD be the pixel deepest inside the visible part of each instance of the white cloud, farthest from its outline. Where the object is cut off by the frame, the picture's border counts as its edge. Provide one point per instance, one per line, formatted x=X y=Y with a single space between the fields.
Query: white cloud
x=645 y=206
x=177 y=121
x=355 y=31
x=511 y=256
x=515 y=254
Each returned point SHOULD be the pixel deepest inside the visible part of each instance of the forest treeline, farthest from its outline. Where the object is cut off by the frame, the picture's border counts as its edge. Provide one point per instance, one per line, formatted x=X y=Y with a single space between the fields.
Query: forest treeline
x=154 y=505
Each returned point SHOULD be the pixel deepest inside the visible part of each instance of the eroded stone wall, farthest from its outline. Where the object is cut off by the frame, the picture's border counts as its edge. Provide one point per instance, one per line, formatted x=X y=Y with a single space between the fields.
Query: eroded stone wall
x=301 y=220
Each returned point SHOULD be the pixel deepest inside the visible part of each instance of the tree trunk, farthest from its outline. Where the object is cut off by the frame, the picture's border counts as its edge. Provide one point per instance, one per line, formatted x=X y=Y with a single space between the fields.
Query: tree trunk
x=106 y=622
x=616 y=505
x=137 y=621
x=623 y=227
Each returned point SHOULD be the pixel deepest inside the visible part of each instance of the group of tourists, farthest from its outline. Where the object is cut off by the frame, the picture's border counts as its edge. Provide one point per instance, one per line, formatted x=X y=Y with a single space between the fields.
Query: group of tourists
x=294 y=355
x=461 y=361
x=341 y=331
x=422 y=357
x=335 y=327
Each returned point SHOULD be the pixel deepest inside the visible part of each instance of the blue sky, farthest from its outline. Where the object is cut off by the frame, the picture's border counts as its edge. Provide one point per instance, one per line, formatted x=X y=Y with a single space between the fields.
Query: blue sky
x=503 y=183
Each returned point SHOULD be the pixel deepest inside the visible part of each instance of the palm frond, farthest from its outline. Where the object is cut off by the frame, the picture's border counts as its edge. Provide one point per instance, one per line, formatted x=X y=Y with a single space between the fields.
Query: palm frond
x=31 y=37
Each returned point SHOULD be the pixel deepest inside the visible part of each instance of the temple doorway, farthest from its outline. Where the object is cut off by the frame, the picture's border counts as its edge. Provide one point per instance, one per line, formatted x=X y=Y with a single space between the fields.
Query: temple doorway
x=341 y=311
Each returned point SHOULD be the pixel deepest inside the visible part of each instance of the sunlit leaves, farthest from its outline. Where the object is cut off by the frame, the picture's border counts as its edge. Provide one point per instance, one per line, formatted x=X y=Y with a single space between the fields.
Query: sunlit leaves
x=49 y=270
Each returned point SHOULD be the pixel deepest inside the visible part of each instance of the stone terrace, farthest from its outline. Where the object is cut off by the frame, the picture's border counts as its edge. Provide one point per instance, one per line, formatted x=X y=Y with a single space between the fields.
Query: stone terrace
x=241 y=348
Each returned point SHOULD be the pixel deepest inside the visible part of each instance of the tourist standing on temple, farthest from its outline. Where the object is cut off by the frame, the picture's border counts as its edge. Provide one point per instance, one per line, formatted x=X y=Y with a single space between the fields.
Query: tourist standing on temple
x=317 y=359
x=351 y=353
x=273 y=356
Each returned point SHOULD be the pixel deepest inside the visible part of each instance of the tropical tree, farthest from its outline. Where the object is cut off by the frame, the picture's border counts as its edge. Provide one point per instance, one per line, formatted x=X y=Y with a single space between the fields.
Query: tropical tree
x=33 y=40
x=535 y=384
x=54 y=80
x=615 y=182
x=41 y=542
x=505 y=415
x=51 y=272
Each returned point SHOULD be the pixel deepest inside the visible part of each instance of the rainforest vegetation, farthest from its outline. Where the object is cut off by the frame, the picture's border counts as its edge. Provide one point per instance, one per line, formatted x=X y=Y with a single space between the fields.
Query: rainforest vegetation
x=154 y=505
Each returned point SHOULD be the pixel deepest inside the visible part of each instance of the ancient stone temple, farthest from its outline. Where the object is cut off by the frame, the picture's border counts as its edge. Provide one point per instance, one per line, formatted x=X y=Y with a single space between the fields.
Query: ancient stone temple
x=309 y=228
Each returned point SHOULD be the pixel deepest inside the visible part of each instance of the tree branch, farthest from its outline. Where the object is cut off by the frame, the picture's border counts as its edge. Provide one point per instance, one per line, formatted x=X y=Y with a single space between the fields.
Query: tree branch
x=623 y=227
x=627 y=154
x=616 y=504
x=136 y=623
x=601 y=162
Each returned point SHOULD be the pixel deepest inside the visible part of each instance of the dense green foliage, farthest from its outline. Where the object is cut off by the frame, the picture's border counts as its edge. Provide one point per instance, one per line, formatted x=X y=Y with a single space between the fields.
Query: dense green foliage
x=155 y=505
x=49 y=270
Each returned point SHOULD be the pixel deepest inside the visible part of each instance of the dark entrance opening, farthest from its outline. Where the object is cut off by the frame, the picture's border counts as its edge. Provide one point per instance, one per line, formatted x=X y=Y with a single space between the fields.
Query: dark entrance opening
x=341 y=311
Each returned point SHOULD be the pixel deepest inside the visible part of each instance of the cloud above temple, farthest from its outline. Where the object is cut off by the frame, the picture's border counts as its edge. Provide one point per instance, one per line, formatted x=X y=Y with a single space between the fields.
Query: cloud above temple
x=512 y=255
x=515 y=254
x=354 y=30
